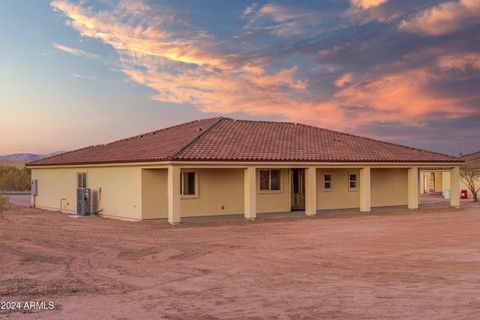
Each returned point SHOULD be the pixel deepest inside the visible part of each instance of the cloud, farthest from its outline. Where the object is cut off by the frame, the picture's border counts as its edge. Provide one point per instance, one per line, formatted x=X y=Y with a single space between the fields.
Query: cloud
x=281 y=20
x=460 y=61
x=344 y=79
x=186 y=68
x=366 y=4
x=83 y=77
x=445 y=18
x=249 y=10
x=345 y=75
x=75 y=52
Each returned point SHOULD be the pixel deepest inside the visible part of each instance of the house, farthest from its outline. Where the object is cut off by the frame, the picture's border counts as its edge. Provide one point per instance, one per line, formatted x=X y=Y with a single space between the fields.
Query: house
x=222 y=166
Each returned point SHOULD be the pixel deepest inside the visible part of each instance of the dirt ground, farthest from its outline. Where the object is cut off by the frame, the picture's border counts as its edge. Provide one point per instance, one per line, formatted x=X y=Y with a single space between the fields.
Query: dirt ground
x=386 y=265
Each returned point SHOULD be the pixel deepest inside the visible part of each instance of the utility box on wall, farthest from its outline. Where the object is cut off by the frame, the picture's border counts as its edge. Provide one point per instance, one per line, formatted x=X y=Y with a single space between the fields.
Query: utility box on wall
x=34 y=187
x=83 y=201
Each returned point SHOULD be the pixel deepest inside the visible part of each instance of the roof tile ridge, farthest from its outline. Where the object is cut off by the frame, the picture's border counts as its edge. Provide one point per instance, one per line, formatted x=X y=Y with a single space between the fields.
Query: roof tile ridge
x=155 y=131
x=476 y=155
x=194 y=139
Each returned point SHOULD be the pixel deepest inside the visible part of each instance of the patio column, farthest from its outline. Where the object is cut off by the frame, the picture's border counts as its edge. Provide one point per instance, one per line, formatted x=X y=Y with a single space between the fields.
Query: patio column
x=365 y=190
x=455 y=187
x=250 y=193
x=413 y=188
x=311 y=191
x=173 y=186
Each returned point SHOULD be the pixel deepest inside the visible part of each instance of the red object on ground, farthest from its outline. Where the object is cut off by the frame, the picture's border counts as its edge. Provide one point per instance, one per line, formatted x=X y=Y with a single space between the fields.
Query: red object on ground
x=464 y=194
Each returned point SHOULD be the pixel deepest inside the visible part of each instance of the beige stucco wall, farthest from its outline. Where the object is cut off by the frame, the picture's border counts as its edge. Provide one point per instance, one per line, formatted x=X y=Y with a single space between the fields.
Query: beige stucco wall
x=275 y=201
x=438 y=182
x=136 y=193
x=389 y=187
x=445 y=180
x=154 y=194
x=55 y=185
x=341 y=197
x=120 y=196
x=216 y=188
x=220 y=192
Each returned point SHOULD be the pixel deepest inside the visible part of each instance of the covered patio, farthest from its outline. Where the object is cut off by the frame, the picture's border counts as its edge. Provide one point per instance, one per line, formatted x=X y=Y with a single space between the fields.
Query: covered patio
x=302 y=190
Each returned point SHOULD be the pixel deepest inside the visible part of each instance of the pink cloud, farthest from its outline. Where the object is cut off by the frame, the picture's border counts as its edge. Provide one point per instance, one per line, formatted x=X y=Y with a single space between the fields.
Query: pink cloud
x=185 y=68
x=445 y=18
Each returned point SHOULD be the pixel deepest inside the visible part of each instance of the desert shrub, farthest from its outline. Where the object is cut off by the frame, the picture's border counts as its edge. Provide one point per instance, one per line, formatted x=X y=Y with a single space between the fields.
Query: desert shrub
x=14 y=179
x=3 y=204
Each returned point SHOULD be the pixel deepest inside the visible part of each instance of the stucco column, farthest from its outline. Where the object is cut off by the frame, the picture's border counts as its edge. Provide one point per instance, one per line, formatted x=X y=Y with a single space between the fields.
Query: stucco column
x=455 y=187
x=250 y=193
x=365 y=190
x=311 y=191
x=173 y=187
x=422 y=182
x=413 y=183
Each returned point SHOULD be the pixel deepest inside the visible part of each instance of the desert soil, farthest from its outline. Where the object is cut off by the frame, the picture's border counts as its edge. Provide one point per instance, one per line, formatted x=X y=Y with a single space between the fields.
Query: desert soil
x=387 y=265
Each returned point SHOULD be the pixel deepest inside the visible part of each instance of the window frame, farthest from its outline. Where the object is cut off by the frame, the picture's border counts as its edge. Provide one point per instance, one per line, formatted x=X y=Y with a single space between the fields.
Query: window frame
x=85 y=180
x=195 y=184
x=356 y=188
x=332 y=185
x=269 y=190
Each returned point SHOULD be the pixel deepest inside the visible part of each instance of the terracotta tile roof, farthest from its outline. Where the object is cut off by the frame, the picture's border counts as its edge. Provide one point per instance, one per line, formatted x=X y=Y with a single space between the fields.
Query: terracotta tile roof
x=472 y=158
x=224 y=139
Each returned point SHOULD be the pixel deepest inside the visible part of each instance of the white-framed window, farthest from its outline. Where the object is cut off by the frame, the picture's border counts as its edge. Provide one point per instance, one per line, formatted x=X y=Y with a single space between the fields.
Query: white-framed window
x=328 y=182
x=81 y=179
x=270 y=180
x=188 y=183
x=352 y=181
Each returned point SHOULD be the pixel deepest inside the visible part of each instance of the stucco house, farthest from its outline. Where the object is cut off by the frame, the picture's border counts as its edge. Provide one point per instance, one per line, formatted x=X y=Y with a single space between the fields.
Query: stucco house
x=222 y=166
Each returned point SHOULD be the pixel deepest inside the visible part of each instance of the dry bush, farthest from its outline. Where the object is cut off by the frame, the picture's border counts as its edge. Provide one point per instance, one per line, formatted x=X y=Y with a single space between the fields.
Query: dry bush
x=471 y=177
x=4 y=205
x=14 y=179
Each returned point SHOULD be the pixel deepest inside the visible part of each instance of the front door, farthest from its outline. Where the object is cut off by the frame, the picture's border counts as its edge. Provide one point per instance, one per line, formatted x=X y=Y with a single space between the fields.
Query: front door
x=298 y=189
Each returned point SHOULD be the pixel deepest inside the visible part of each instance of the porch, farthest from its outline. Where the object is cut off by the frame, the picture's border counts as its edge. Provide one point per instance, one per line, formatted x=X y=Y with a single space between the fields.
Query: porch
x=263 y=192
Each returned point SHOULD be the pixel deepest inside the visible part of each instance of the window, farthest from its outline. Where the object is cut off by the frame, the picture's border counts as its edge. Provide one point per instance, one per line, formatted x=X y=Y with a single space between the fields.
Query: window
x=270 y=180
x=81 y=179
x=188 y=183
x=327 y=182
x=352 y=181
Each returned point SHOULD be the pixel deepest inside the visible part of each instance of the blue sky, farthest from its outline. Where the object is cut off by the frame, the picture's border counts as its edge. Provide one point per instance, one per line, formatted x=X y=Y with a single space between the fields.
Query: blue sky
x=75 y=73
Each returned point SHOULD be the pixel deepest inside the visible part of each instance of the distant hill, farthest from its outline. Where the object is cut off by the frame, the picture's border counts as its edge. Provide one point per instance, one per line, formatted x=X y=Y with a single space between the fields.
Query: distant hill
x=27 y=157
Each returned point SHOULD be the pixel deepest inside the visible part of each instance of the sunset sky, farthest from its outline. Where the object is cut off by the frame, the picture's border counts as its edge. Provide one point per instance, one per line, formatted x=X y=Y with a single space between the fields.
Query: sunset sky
x=78 y=73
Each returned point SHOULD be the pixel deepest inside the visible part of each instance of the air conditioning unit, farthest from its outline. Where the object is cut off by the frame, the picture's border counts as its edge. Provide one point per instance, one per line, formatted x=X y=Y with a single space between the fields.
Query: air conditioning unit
x=83 y=202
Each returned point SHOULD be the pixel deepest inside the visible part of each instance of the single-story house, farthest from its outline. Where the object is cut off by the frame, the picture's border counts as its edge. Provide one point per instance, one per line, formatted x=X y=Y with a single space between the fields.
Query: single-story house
x=222 y=166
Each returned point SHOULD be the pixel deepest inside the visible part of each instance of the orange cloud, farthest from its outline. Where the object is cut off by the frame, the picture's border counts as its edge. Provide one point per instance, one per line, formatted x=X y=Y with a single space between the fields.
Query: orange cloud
x=343 y=80
x=76 y=52
x=445 y=18
x=460 y=61
x=366 y=4
x=186 y=69
x=398 y=96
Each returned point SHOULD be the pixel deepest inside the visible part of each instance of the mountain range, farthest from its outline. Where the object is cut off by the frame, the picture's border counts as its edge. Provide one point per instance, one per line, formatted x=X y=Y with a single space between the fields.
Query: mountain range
x=25 y=156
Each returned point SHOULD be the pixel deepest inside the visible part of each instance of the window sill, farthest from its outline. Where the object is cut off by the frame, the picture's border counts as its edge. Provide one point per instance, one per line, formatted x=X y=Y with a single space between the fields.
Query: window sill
x=270 y=191
x=193 y=196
